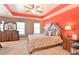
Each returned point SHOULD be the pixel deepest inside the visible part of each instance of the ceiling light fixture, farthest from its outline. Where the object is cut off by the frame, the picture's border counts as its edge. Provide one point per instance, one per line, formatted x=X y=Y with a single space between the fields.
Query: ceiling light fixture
x=33 y=9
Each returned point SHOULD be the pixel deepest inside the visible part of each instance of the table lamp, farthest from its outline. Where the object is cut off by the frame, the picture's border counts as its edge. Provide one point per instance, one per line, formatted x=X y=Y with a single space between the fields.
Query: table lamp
x=68 y=28
x=74 y=37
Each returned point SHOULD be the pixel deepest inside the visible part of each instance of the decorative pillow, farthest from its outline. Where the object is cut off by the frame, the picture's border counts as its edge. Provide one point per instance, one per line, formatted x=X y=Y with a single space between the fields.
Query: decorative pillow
x=54 y=29
x=46 y=32
x=54 y=32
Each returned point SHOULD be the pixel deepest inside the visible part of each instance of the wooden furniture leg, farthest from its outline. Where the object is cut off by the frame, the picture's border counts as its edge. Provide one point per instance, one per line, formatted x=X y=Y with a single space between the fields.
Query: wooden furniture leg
x=0 y=46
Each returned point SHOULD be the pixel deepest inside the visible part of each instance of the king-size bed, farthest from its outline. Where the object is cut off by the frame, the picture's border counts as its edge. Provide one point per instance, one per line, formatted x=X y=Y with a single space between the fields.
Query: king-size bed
x=39 y=42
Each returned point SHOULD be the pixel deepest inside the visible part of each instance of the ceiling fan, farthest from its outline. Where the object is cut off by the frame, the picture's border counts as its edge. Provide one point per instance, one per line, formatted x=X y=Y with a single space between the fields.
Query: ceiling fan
x=33 y=8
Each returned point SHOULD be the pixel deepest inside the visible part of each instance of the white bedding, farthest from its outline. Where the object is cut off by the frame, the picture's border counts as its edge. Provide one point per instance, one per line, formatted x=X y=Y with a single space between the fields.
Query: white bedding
x=35 y=36
x=40 y=40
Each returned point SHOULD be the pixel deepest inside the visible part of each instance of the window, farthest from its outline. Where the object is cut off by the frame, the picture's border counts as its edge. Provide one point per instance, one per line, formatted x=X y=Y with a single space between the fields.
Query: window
x=21 y=27
x=1 y=26
x=36 y=27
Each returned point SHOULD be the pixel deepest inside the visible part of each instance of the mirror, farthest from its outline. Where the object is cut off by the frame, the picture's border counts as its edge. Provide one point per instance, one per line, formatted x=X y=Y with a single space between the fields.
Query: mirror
x=10 y=26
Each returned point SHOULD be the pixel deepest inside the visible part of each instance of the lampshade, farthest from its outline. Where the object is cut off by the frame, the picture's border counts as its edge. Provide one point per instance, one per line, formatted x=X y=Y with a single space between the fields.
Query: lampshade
x=67 y=27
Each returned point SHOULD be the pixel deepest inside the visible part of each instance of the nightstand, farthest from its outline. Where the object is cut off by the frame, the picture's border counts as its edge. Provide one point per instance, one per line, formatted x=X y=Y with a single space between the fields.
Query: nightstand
x=67 y=43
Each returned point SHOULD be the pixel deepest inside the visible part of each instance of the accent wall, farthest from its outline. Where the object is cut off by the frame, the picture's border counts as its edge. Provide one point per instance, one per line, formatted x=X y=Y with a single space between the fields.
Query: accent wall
x=70 y=18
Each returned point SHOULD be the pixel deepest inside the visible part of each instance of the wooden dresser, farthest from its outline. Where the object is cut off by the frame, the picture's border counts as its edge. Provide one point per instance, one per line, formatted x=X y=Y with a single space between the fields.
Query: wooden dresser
x=9 y=35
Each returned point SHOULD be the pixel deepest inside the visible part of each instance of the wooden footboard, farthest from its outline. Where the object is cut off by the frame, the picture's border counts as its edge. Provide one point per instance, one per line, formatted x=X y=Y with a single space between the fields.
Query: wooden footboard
x=43 y=43
x=45 y=47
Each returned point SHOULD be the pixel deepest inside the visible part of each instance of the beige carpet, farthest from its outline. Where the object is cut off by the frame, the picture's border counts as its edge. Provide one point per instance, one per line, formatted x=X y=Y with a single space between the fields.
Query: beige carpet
x=20 y=48
x=14 y=48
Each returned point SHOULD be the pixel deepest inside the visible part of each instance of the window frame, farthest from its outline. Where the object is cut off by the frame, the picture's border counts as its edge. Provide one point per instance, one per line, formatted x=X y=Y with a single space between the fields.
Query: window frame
x=37 y=28
x=24 y=28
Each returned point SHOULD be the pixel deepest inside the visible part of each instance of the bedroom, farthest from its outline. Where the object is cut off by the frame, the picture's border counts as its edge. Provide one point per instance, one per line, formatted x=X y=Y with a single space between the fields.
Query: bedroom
x=57 y=29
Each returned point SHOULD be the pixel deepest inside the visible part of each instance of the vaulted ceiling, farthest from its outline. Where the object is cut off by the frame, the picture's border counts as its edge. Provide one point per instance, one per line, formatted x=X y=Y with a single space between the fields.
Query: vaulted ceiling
x=49 y=10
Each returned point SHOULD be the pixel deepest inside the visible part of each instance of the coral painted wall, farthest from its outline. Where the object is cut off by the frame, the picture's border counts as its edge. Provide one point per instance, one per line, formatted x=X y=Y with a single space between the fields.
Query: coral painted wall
x=70 y=17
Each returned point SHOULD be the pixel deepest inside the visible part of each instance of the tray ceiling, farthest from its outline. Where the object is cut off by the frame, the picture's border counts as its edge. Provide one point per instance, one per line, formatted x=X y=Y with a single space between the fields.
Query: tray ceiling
x=49 y=10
